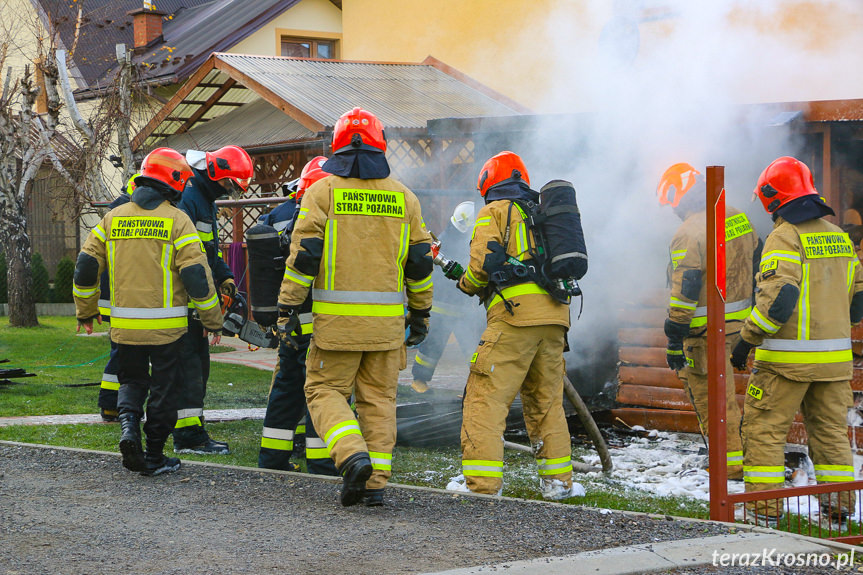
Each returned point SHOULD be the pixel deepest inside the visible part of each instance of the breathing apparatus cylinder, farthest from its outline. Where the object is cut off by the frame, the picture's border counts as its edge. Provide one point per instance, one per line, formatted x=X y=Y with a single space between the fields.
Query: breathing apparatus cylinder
x=266 y=270
x=559 y=222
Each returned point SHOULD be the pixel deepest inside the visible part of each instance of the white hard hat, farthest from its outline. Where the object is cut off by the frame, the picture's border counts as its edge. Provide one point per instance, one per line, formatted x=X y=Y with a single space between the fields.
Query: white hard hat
x=463 y=216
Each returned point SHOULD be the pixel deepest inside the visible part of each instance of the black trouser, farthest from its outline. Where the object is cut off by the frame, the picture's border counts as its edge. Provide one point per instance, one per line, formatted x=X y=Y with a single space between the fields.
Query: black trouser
x=318 y=459
x=110 y=382
x=286 y=406
x=157 y=389
x=195 y=367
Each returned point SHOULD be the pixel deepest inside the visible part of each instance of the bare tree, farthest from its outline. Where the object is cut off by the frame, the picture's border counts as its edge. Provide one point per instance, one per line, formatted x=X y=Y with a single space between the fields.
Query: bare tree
x=34 y=145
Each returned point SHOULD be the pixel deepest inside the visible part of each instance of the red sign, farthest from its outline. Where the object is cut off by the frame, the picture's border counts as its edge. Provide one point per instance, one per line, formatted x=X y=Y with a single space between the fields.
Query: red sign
x=720 y=244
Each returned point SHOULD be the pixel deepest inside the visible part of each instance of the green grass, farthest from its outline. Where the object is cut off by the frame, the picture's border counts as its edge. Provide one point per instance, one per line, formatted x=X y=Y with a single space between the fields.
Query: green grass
x=64 y=363
x=60 y=358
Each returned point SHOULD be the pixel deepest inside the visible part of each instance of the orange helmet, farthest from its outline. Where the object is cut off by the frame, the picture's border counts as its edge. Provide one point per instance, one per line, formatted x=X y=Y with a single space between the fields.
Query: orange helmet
x=675 y=182
x=231 y=162
x=785 y=179
x=359 y=130
x=167 y=166
x=311 y=173
x=504 y=167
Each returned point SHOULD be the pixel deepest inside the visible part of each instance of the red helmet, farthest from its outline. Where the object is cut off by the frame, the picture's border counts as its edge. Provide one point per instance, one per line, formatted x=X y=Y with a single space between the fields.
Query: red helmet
x=504 y=167
x=359 y=130
x=167 y=166
x=785 y=179
x=675 y=182
x=231 y=162
x=312 y=172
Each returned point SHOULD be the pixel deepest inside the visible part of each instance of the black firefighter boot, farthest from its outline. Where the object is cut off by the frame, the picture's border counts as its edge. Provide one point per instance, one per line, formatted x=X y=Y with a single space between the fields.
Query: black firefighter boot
x=130 y=441
x=155 y=461
x=355 y=471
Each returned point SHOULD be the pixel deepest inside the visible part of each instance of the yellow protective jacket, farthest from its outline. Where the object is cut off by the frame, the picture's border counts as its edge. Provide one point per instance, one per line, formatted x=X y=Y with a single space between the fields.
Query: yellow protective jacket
x=156 y=265
x=803 y=311
x=358 y=244
x=688 y=301
x=532 y=304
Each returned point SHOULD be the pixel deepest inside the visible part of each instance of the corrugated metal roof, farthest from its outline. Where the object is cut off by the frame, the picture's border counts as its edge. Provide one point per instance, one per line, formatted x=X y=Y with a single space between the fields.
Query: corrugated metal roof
x=401 y=95
x=314 y=94
x=254 y=125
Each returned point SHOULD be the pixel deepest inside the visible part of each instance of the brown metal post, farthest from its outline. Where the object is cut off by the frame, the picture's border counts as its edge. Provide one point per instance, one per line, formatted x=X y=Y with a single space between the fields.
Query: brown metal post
x=716 y=376
x=237 y=220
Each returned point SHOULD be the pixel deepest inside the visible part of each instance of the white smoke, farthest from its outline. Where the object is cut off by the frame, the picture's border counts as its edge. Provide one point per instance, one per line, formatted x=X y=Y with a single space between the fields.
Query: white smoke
x=683 y=97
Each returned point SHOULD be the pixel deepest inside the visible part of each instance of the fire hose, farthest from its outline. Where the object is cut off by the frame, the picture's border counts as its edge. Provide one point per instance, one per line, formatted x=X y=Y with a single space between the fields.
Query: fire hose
x=453 y=270
x=589 y=424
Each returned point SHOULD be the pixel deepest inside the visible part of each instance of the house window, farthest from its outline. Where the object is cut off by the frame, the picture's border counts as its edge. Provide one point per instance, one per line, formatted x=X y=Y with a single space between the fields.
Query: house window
x=294 y=47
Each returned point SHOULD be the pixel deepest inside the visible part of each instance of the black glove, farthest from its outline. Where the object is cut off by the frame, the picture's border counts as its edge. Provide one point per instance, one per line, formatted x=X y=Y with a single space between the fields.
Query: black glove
x=288 y=323
x=417 y=321
x=674 y=355
x=740 y=354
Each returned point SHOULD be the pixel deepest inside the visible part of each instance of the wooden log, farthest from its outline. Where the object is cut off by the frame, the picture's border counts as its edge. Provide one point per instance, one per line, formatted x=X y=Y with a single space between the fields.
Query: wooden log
x=652 y=376
x=660 y=397
x=646 y=356
x=664 y=377
x=643 y=317
x=642 y=336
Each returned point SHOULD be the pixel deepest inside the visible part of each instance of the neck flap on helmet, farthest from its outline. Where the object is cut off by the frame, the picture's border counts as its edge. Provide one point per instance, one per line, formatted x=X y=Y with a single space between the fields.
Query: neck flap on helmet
x=362 y=164
x=511 y=190
x=803 y=209
x=150 y=193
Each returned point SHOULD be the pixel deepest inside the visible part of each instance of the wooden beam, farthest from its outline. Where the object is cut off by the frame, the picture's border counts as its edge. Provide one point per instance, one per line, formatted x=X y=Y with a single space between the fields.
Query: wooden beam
x=175 y=100
x=478 y=86
x=307 y=121
x=229 y=83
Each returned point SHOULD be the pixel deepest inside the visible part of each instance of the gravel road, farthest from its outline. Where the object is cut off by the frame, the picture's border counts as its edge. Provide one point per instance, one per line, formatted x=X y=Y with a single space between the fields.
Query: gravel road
x=77 y=512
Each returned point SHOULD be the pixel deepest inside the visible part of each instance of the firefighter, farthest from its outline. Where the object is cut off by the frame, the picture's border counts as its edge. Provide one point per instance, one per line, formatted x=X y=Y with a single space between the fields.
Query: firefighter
x=359 y=242
x=286 y=403
x=216 y=174
x=521 y=349
x=110 y=384
x=809 y=293
x=683 y=188
x=451 y=313
x=156 y=265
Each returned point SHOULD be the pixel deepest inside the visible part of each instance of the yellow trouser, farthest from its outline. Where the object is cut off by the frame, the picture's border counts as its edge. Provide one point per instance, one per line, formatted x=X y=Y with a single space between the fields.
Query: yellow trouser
x=694 y=378
x=508 y=360
x=372 y=376
x=771 y=402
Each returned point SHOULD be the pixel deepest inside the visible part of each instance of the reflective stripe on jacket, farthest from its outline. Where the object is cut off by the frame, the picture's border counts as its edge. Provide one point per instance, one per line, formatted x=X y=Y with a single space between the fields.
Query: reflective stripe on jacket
x=143 y=252
x=689 y=264
x=358 y=244
x=816 y=264
x=532 y=304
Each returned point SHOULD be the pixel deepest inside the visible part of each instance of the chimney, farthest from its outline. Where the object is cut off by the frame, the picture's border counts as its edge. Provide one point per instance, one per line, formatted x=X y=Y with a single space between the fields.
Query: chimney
x=147 y=24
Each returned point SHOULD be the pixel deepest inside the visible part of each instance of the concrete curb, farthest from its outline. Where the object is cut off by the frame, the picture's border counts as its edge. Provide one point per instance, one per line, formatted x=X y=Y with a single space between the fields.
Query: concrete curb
x=212 y=415
x=653 y=557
